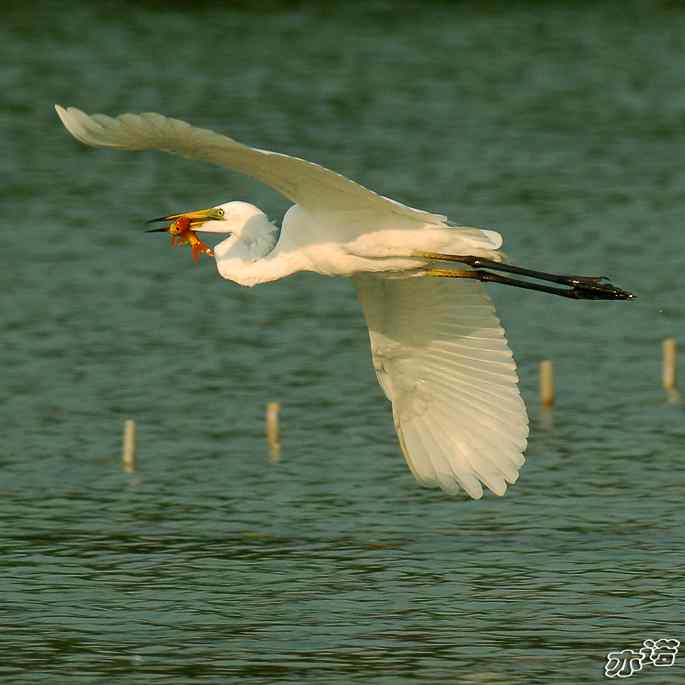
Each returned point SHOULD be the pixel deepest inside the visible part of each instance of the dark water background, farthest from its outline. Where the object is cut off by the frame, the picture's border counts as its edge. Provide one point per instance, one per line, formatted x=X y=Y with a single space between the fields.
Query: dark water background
x=561 y=125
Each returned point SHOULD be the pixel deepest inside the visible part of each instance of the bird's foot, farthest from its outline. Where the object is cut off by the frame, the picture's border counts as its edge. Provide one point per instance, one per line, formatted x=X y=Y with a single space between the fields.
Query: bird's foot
x=596 y=288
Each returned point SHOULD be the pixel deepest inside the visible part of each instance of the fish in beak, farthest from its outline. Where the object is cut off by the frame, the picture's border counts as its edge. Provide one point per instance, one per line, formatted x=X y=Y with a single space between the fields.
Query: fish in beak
x=182 y=229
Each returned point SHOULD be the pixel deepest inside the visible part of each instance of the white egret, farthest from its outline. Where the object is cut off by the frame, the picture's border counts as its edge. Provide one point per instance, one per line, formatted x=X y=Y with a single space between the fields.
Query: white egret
x=438 y=349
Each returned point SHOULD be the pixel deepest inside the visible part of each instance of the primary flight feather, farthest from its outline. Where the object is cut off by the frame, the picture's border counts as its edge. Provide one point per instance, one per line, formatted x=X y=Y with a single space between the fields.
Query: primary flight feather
x=438 y=349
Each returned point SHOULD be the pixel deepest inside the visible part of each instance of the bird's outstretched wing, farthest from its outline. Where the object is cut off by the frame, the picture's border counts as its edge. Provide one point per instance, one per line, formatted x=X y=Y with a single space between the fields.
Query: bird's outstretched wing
x=307 y=184
x=442 y=359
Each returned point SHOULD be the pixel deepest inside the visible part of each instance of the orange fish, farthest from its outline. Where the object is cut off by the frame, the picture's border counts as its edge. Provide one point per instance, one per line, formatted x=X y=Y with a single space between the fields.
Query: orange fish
x=182 y=234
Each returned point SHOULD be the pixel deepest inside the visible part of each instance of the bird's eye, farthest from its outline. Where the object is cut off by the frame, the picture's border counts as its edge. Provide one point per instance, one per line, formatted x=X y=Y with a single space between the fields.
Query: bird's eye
x=220 y=212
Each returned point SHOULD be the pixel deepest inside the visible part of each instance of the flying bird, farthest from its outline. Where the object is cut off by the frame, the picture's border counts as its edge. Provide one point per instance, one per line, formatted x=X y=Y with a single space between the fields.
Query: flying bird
x=438 y=349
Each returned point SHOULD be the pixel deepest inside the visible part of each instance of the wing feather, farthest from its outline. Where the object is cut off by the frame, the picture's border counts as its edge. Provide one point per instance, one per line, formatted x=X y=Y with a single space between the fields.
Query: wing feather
x=307 y=184
x=442 y=358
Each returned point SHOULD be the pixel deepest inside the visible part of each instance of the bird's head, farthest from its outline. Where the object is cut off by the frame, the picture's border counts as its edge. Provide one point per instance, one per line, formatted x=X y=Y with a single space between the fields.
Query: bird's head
x=237 y=220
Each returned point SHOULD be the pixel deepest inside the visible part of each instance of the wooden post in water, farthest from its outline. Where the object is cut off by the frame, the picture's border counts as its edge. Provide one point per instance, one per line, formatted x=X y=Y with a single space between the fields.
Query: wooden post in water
x=546 y=384
x=670 y=355
x=129 y=452
x=669 y=348
x=273 y=435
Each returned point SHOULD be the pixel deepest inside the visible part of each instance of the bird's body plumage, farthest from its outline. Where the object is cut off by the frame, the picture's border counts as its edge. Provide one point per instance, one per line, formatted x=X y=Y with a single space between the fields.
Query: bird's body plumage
x=438 y=349
x=350 y=244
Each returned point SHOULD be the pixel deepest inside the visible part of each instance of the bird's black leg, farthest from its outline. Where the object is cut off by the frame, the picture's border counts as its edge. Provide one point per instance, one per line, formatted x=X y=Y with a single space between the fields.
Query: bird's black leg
x=579 y=287
x=584 y=292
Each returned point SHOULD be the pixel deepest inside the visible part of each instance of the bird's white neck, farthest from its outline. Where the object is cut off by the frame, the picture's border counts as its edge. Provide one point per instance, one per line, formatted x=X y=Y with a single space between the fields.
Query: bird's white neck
x=247 y=257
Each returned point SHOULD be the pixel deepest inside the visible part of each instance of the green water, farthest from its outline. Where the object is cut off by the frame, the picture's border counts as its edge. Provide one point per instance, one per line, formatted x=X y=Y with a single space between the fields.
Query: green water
x=559 y=125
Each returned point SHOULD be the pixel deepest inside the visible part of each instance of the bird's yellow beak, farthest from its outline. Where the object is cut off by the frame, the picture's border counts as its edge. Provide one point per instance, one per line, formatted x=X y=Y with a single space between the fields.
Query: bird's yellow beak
x=196 y=218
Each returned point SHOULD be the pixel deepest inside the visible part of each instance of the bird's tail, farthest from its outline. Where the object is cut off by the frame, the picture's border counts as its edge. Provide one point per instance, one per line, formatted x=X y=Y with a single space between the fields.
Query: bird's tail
x=479 y=242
